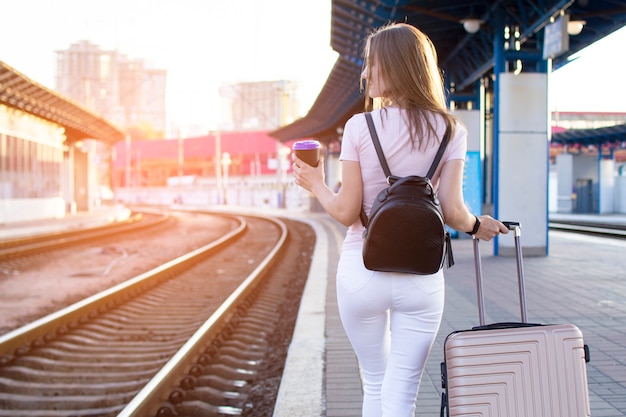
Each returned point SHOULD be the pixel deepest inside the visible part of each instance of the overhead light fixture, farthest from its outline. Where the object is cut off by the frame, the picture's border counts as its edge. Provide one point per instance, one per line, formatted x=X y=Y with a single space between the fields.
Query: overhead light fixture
x=471 y=24
x=574 y=27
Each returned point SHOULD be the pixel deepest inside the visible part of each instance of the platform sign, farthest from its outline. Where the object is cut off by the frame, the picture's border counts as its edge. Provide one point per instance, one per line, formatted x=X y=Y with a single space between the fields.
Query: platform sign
x=556 y=38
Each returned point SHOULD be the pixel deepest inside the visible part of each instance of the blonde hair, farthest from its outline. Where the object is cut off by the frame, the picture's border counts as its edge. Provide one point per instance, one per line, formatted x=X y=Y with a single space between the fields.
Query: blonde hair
x=406 y=60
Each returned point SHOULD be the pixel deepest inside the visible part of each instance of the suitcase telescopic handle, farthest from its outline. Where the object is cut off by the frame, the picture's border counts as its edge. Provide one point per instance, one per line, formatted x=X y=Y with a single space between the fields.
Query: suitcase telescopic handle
x=516 y=228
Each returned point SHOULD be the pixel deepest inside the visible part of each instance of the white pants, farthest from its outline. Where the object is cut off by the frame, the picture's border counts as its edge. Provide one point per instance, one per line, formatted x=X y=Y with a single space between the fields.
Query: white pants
x=391 y=320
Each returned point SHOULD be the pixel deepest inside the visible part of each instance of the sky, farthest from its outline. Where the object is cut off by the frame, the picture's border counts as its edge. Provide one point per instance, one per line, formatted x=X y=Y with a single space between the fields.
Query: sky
x=204 y=44
x=594 y=81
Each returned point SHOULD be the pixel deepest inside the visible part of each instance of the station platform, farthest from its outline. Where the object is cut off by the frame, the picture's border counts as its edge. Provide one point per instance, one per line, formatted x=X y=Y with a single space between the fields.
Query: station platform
x=581 y=281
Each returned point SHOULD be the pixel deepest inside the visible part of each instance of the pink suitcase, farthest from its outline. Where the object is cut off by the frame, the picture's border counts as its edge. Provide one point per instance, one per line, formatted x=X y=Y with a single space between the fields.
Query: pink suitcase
x=514 y=369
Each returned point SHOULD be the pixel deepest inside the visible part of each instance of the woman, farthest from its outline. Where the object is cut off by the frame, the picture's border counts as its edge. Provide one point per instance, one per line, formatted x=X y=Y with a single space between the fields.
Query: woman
x=392 y=319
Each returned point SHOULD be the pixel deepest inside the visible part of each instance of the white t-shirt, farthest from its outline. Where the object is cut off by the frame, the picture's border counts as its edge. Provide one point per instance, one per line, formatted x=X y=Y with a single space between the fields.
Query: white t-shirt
x=402 y=157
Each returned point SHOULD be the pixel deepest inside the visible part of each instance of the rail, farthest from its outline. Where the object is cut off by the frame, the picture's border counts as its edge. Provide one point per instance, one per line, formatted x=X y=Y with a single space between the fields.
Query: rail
x=45 y=336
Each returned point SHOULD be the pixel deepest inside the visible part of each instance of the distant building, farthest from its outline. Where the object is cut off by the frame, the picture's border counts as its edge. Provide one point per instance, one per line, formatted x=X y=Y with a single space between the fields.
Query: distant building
x=572 y=121
x=48 y=160
x=150 y=163
x=123 y=90
x=262 y=105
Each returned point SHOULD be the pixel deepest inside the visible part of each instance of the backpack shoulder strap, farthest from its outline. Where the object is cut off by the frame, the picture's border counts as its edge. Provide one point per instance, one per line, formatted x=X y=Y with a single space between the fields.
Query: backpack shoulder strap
x=381 y=158
x=379 y=149
x=383 y=161
x=381 y=155
x=439 y=155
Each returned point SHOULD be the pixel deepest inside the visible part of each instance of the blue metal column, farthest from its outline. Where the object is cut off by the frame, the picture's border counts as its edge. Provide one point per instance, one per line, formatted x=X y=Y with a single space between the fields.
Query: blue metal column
x=498 y=68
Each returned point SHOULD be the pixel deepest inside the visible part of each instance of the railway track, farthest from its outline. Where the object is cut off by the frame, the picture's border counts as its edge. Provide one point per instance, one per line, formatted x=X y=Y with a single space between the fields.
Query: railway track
x=182 y=339
x=29 y=246
x=602 y=229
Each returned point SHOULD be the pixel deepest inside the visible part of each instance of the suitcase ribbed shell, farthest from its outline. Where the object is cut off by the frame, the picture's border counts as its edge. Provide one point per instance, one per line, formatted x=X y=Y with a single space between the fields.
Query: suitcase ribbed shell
x=537 y=371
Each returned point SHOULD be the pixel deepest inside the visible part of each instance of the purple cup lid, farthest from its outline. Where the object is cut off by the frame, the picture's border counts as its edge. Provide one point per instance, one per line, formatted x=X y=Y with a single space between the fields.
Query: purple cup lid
x=305 y=145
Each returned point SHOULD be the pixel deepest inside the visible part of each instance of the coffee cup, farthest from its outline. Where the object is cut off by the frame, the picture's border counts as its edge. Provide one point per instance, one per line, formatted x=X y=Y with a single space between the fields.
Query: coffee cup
x=308 y=151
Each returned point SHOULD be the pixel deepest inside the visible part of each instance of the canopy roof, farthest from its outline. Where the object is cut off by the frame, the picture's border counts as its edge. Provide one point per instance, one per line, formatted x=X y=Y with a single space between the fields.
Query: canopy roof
x=464 y=57
x=599 y=136
x=20 y=92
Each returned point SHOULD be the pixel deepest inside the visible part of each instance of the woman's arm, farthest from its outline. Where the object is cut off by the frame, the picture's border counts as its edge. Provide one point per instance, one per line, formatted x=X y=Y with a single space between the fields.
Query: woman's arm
x=455 y=211
x=343 y=205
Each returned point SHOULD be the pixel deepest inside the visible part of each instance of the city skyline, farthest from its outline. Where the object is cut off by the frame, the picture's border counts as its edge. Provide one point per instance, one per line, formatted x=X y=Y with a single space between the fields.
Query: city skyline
x=202 y=46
